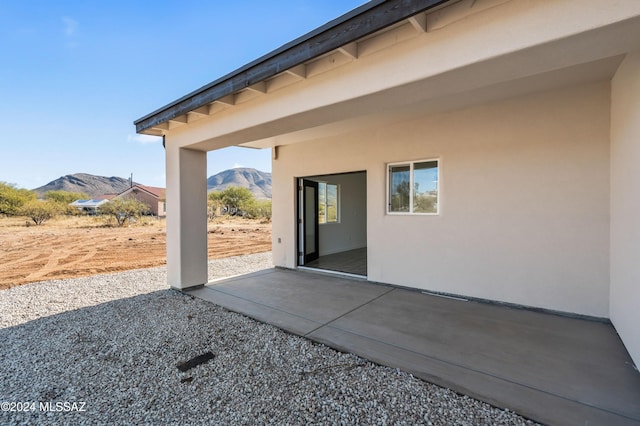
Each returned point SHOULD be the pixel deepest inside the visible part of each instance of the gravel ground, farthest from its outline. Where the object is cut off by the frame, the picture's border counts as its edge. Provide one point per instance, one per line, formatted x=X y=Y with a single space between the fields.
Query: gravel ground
x=106 y=349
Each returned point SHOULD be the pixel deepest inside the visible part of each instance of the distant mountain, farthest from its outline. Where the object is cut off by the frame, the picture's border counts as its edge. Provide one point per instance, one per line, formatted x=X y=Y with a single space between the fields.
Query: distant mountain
x=91 y=185
x=259 y=183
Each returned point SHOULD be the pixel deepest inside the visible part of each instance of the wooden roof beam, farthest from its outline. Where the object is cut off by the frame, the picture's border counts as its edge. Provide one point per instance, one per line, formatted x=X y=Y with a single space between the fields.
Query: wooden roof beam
x=178 y=121
x=203 y=110
x=350 y=50
x=228 y=100
x=419 y=22
x=154 y=131
x=260 y=87
x=299 y=71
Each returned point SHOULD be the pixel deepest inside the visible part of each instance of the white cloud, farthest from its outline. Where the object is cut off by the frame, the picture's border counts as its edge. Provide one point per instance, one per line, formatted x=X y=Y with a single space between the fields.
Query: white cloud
x=144 y=139
x=70 y=26
x=237 y=166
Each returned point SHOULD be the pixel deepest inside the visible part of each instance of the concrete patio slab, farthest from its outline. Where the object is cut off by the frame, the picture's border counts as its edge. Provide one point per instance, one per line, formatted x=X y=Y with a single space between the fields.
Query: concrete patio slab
x=282 y=299
x=553 y=369
x=526 y=361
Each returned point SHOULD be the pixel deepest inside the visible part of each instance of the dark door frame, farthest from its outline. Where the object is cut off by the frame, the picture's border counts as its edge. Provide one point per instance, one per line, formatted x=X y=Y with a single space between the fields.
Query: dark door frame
x=308 y=188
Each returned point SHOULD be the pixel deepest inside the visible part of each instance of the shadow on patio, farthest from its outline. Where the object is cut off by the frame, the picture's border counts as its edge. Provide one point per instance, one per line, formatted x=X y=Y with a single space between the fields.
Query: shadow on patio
x=550 y=368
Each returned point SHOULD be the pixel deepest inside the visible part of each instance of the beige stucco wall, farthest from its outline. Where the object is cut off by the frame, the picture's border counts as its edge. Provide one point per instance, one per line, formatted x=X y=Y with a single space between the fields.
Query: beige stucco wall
x=146 y=198
x=524 y=200
x=625 y=203
x=162 y=208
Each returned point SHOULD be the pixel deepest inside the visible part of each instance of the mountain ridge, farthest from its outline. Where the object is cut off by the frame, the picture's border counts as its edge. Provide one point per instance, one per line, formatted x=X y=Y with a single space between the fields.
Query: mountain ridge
x=92 y=185
x=258 y=182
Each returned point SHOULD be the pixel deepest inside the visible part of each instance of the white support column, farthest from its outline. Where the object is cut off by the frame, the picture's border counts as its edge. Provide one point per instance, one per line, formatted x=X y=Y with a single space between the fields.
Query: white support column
x=186 y=217
x=624 y=296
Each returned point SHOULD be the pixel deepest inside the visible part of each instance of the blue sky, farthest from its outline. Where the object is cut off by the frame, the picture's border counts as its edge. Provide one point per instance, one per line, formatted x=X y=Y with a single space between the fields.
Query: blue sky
x=74 y=75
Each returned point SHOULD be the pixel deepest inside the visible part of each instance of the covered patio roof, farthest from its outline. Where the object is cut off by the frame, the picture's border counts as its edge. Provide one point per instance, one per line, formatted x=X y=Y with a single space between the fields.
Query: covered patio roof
x=290 y=59
x=336 y=78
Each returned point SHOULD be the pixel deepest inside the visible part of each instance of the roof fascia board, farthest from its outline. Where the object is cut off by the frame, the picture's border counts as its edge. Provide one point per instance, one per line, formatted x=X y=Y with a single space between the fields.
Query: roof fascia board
x=125 y=192
x=360 y=22
x=139 y=188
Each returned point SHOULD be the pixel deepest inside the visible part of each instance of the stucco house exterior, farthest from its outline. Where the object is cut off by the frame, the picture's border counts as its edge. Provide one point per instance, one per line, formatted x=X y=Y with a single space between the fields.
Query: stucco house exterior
x=485 y=148
x=152 y=196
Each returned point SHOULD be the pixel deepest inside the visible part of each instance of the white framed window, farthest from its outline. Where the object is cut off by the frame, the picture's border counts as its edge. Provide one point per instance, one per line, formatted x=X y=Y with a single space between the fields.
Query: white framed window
x=413 y=187
x=328 y=203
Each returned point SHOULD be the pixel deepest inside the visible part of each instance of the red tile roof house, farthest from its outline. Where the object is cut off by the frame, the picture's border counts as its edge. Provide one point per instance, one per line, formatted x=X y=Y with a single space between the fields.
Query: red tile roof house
x=152 y=196
x=483 y=148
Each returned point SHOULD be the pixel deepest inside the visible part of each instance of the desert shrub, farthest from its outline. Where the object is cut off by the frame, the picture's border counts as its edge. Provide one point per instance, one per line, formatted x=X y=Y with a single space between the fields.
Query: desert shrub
x=258 y=209
x=233 y=200
x=64 y=198
x=12 y=198
x=148 y=220
x=40 y=211
x=425 y=203
x=123 y=211
x=237 y=198
x=214 y=204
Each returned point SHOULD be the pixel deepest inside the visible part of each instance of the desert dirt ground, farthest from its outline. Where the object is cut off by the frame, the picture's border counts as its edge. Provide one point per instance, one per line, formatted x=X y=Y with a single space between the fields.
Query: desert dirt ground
x=80 y=246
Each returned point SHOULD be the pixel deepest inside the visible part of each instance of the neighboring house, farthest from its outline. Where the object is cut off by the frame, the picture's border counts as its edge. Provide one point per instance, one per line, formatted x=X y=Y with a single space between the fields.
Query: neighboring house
x=486 y=148
x=89 y=206
x=152 y=196
x=105 y=197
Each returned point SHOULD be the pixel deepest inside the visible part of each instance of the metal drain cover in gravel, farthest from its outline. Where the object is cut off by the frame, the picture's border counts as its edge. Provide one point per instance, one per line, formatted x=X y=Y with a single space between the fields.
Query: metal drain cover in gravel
x=195 y=361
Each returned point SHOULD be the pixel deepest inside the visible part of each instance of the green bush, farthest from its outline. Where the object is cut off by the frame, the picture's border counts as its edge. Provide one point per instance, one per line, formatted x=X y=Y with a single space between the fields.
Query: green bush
x=237 y=200
x=259 y=209
x=124 y=211
x=214 y=204
x=12 y=199
x=40 y=211
x=64 y=198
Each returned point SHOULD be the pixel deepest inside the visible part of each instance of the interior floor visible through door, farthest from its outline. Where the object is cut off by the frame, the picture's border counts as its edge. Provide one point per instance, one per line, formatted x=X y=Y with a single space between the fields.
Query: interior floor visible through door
x=351 y=262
